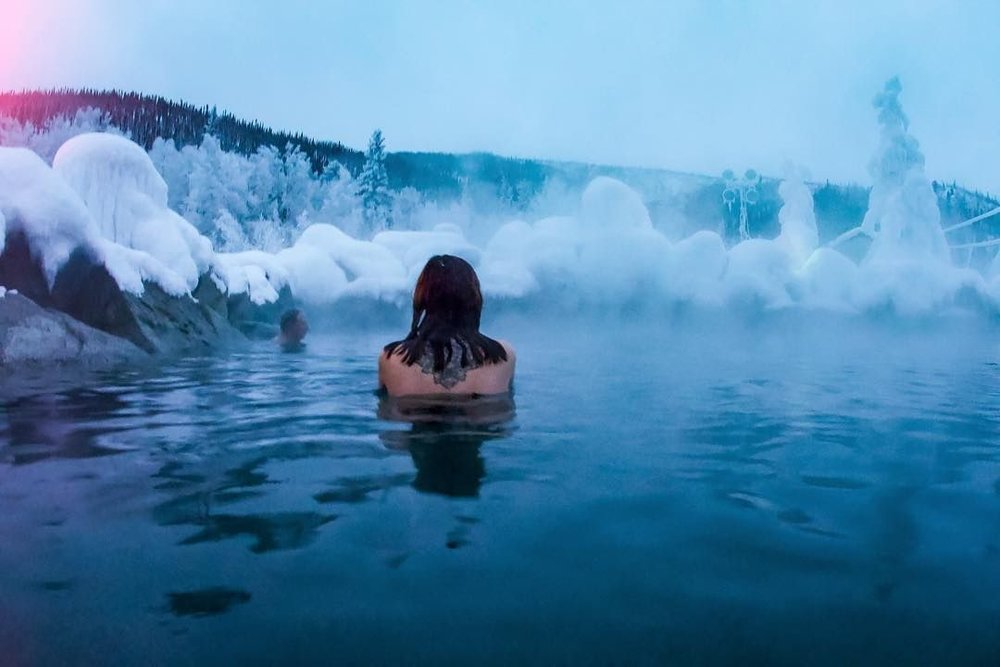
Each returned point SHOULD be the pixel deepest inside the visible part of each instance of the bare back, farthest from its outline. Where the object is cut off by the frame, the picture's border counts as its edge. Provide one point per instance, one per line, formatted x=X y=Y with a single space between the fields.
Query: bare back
x=420 y=378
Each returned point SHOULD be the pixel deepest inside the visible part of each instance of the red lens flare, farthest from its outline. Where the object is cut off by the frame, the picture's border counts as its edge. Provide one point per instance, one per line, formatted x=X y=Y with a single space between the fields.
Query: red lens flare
x=15 y=28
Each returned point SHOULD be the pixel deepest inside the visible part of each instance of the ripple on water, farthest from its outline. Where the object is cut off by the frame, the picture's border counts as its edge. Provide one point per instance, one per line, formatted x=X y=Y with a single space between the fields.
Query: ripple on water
x=626 y=493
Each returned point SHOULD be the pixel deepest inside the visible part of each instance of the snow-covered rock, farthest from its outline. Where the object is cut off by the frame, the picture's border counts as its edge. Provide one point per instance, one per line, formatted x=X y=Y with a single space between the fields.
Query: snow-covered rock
x=127 y=199
x=37 y=203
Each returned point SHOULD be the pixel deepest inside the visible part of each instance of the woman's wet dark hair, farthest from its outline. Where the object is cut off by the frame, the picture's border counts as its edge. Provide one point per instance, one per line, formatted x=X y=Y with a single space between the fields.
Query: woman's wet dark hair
x=447 y=305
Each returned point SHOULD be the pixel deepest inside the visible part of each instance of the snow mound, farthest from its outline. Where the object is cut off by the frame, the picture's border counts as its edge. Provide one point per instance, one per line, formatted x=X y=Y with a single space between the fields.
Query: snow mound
x=369 y=268
x=326 y=264
x=36 y=201
x=256 y=273
x=610 y=251
x=760 y=269
x=695 y=269
x=127 y=199
x=412 y=249
x=608 y=203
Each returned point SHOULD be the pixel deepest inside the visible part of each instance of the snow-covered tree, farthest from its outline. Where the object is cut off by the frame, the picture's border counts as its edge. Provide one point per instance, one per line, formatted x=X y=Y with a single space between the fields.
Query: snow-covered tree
x=262 y=183
x=407 y=204
x=227 y=234
x=268 y=235
x=47 y=139
x=175 y=168
x=903 y=214
x=297 y=185
x=218 y=183
x=373 y=185
x=340 y=203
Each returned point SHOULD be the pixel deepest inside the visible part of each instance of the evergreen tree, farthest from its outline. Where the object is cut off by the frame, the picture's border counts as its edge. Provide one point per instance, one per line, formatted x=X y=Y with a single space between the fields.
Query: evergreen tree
x=373 y=185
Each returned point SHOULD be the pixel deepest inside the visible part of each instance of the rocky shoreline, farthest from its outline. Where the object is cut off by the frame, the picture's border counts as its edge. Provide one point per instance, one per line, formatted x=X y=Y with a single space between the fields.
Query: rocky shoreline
x=85 y=322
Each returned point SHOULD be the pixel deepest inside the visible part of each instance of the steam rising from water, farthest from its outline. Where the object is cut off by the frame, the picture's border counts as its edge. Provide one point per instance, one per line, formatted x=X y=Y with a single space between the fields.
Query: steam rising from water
x=607 y=251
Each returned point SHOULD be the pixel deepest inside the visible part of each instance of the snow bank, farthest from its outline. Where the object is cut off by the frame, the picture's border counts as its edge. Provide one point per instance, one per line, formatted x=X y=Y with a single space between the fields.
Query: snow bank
x=36 y=201
x=696 y=268
x=127 y=199
x=255 y=273
x=413 y=248
x=761 y=270
x=326 y=264
x=103 y=193
x=609 y=253
x=609 y=250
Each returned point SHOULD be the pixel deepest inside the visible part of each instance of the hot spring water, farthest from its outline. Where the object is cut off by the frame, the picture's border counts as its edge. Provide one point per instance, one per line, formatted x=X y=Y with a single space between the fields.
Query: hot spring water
x=783 y=488
x=770 y=452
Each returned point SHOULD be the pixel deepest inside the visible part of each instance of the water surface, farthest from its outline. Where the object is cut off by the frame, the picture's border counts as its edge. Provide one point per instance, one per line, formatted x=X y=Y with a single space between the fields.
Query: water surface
x=784 y=491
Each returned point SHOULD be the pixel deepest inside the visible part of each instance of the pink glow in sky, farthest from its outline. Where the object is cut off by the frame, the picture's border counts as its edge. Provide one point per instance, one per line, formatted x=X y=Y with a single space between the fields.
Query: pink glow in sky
x=15 y=31
x=44 y=40
x=687 y=84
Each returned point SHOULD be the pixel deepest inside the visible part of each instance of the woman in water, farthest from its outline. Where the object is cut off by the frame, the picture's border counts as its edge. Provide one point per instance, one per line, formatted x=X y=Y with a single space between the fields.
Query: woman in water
x=445 y=353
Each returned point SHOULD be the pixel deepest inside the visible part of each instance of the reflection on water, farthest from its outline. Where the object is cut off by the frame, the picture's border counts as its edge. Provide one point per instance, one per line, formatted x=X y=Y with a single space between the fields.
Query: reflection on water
x=445 y=438
x=705 y=504
x=444 y=410
x=206 y=602
x=203 y=509
x=74 y=425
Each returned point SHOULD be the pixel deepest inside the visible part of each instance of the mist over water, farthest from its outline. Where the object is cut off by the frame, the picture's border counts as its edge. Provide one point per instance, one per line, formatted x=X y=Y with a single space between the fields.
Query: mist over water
x=603 y=250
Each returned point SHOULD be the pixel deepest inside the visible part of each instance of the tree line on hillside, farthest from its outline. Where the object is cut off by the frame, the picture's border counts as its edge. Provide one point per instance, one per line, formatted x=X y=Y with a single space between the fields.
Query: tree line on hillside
x=245 y=185
x=145 y=118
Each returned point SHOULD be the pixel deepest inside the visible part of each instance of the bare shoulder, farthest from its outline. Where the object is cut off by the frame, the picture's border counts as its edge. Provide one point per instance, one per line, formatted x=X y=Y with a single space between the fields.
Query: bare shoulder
x=387 y=361
x=388 y=370
x=509 y=349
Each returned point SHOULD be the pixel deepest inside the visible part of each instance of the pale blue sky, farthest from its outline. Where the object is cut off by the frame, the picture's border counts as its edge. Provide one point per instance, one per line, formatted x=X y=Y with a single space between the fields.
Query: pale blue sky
x=695 y=86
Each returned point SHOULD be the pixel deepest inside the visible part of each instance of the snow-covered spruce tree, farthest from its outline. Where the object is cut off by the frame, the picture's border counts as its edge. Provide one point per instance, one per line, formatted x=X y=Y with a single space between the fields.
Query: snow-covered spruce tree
x=373 y=186
x=298 y=187
x=217 y=183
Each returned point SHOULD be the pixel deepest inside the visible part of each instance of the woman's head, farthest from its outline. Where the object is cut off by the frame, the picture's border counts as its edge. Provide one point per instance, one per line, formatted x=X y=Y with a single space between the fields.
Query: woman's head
x=448 y=290
x=447 y=307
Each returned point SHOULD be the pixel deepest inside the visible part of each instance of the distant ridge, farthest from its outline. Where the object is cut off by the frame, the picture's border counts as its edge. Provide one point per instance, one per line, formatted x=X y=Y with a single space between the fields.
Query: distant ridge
x=146 y=117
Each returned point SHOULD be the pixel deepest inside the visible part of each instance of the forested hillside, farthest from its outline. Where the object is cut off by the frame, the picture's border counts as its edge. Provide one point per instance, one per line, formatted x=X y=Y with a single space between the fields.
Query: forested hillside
x=145 y=118
x=246 y=185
